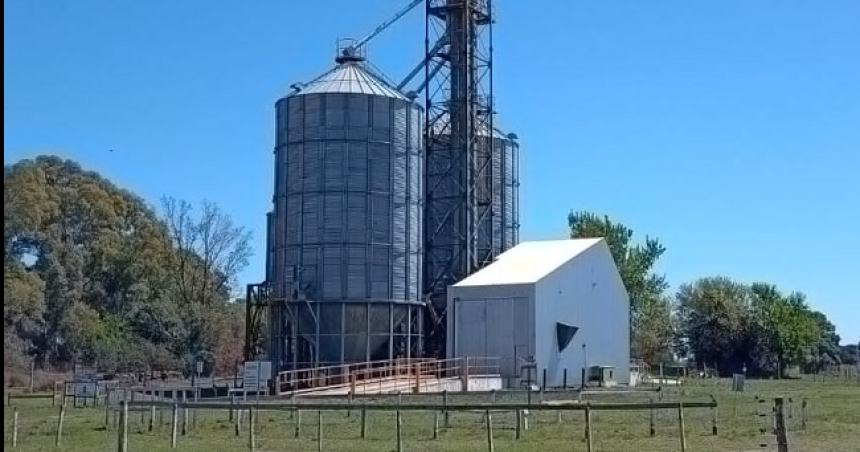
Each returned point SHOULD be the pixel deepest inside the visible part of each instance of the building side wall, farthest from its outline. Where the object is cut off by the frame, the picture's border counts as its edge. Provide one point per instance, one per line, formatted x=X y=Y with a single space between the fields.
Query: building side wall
x=586 y=292
x=492 y=321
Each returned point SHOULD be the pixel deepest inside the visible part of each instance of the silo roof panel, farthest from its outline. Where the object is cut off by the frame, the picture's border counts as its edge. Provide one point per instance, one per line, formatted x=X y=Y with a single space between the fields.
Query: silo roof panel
x=350 y=77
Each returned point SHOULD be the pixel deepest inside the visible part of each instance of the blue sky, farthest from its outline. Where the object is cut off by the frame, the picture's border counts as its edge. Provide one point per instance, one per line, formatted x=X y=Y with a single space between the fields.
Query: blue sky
x=729 y=129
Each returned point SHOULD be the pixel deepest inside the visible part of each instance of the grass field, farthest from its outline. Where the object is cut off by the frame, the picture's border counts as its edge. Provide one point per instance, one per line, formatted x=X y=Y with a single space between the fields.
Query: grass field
x=833 y=425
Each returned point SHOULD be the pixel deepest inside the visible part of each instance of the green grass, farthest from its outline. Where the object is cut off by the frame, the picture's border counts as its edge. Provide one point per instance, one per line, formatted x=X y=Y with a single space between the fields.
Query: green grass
x=833 y=425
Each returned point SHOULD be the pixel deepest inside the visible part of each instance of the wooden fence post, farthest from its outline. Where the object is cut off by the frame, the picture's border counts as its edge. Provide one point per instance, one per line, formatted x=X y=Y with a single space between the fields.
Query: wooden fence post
x=445 y=407
x=529 y=394
x=651 y=430
x=465 y=374
x=349 y=401
x=492 y=397
x=194 y=412
x=298 y=423
x=489 y=416
x=519 y=424
x=781 y=436
x=319 y=431
x=173 y=426
x=151 y=418
x=293 y=402
x=107 y=408
x=682 y=433
x=32 y=373
x=543 y=385
x=184 y=414
x=232 y=402
x=60 y=425
x=122 y=431
x=238 y=424
x=363 y=422
x=15 y=427
x=142 y=420
x=251 y=417
x=435 y=425
x=714 y=416
x=399 y=432
x=160 y=396
x=588 y=439
x=803 y=414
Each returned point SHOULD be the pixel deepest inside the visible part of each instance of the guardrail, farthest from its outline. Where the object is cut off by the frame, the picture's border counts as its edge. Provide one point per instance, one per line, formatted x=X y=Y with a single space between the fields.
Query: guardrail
x=352 y=374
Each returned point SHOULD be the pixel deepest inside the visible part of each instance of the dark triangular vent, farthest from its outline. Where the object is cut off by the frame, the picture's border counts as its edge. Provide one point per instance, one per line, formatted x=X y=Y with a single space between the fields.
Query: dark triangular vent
x=564 y=333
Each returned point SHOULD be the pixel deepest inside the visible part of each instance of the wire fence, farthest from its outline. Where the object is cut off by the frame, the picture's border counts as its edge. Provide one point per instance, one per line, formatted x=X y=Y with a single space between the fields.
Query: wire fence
x=587 y=420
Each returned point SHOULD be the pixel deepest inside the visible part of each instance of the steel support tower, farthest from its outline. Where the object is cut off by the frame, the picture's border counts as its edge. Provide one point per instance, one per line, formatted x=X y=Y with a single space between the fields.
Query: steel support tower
x=458 y=72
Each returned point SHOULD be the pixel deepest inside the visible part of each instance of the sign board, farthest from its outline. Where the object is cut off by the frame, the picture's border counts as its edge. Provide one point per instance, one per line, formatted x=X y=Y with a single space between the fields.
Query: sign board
x=256 y=375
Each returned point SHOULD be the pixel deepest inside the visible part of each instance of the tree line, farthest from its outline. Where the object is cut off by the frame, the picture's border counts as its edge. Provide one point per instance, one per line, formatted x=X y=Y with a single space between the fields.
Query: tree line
x=95 y=276
x=717 y=322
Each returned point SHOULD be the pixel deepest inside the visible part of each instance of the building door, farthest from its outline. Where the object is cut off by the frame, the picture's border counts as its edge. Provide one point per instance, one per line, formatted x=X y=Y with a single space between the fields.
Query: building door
x=493 y=328
x=500 y=334
x=471 y=327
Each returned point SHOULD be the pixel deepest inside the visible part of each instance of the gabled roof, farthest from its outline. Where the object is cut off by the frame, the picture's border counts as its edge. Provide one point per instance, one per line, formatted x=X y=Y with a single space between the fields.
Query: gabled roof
x=350 y=77
x=528 y=262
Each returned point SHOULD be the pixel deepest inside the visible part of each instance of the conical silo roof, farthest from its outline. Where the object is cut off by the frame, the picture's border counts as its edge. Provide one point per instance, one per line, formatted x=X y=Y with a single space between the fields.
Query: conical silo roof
x=350 y=77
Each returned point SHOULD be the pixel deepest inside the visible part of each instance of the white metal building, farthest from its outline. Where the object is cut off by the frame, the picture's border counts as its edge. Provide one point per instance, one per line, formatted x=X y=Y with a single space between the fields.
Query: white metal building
x=559 y=303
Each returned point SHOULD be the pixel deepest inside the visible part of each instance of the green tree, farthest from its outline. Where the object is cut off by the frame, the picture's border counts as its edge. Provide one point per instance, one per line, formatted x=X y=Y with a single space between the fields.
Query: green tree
x=827 y=352
x=713 y=321
x=650 y=312
x=210 y=251
x=654 y=331
x=90 y=272
x=785 y=325
x=735 y=326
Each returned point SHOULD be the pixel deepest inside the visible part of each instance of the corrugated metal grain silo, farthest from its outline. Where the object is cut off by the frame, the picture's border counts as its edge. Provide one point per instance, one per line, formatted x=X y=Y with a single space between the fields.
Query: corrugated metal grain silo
x=346 y=239
x=496 y=200
x=500 y=231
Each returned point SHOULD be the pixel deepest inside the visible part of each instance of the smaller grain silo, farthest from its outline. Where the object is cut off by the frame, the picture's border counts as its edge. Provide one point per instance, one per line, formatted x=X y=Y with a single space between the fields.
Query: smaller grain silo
x=345 y=233
x=499 y=231
x=451 y=208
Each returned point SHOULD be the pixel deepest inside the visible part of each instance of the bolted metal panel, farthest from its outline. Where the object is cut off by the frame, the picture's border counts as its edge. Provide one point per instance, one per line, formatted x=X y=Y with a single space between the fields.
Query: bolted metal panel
x=345 y=232
x=500 y=230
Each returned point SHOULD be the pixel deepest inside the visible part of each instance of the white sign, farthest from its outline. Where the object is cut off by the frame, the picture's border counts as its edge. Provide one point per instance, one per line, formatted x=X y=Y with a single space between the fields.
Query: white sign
x=257 y=375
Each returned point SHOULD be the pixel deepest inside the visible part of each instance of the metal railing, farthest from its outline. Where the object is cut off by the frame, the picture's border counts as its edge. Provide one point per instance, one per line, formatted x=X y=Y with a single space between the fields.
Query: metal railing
x=419 y=372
